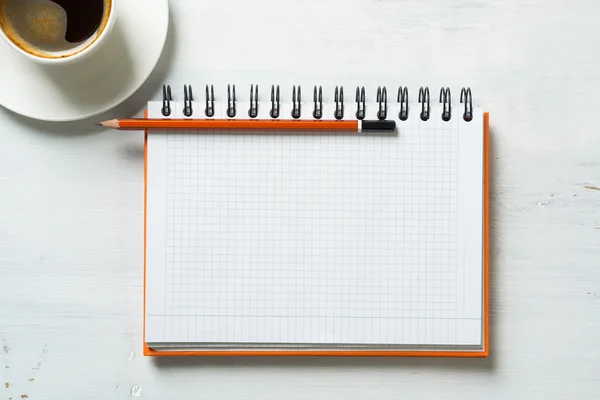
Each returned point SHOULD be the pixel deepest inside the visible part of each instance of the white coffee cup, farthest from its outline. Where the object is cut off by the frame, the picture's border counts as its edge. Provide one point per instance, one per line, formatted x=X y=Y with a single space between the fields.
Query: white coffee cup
x=68 y=55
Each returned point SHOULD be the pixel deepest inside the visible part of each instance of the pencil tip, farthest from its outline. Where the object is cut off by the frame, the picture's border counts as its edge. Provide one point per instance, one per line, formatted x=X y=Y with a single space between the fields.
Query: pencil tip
x=98 y=124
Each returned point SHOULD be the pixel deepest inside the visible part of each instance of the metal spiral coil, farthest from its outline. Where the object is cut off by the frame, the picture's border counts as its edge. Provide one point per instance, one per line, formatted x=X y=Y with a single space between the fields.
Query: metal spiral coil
x=188 y=97
x=425 y=103
x=382 y=113
x=167 y=98
x=467 y=99
x=446 y=100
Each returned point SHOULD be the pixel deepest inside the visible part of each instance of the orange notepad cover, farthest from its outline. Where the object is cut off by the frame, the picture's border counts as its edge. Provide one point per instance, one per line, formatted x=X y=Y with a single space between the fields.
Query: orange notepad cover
x=343 y=352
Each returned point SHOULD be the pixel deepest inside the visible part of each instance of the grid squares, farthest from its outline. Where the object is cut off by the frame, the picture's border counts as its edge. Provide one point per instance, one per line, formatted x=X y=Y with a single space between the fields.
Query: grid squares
x=312 y=238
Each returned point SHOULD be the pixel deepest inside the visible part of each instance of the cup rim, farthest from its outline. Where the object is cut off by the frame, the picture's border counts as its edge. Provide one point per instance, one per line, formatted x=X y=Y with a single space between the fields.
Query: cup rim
x=72 y=57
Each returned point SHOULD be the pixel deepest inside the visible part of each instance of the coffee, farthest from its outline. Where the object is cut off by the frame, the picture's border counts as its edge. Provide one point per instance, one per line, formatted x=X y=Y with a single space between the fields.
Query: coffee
x=53 y=28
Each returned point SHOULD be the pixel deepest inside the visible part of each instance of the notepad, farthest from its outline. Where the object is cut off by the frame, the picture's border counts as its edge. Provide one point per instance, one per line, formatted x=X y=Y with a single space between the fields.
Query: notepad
x=317 y=243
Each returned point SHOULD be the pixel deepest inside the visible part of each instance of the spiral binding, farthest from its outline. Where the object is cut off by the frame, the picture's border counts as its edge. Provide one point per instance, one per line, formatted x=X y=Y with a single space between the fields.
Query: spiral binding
x=466 y=98
x=318 y=101
x=209 y=111
x=188 y=109
x=338 y=98
x=403 y=100
x=445 y=99
x=275 y=106
x=382 y=103
x=167 y=98
x=231 y=110
x=425 y=103
x=360 y=103
x=296 y=103
x=253 y=110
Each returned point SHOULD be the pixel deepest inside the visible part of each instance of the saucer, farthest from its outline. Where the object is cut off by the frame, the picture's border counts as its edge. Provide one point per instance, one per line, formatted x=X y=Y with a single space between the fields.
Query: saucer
x=95 y=84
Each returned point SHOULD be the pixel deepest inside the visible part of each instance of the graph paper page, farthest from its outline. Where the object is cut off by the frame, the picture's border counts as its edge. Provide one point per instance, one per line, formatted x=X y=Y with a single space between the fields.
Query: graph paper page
x=316 y=239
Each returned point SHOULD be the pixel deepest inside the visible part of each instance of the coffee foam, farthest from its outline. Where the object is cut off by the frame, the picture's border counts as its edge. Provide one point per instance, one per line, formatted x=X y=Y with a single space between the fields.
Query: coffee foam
x=39 y=26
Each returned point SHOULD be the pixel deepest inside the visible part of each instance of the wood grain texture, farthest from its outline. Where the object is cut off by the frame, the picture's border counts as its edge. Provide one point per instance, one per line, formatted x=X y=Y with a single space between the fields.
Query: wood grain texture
x=71 y=203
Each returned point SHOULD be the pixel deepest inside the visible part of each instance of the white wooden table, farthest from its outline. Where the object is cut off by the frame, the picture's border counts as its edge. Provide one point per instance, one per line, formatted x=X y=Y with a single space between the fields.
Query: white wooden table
x=71 y=203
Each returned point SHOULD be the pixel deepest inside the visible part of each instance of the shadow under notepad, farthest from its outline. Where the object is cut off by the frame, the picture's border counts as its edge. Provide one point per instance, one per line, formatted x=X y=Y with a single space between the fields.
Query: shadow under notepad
x=494 y=260
x=327 y=363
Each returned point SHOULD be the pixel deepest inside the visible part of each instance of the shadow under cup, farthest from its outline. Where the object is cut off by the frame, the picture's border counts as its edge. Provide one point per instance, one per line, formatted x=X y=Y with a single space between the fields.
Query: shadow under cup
x=54 y=29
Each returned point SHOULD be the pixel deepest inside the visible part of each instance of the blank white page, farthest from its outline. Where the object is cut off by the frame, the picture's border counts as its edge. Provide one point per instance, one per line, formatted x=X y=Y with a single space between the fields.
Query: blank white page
x=287 y=239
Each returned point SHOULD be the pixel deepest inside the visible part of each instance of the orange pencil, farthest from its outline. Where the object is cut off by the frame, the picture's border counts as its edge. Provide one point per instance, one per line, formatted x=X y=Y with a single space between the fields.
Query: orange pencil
x=252 y=124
